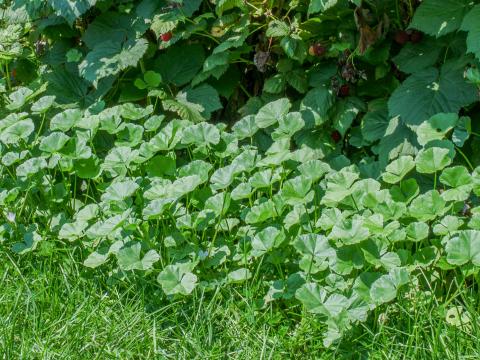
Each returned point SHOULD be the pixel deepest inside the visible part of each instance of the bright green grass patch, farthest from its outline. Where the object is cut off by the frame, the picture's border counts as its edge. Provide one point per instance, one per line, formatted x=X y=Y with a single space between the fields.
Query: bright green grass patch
x=54 y=309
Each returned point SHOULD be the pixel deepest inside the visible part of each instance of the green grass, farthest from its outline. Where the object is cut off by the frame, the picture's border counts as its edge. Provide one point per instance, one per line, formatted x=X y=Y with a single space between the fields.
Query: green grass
x=53 y=308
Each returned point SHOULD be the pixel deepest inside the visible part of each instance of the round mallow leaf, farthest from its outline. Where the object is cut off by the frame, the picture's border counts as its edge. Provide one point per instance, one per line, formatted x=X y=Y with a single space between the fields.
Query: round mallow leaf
x=397 y=169
x=177 y=279
x=272 y=112
x=464 y=248
x=53 y=142
x=43 y=104
x=19 y=130
x=433 y=159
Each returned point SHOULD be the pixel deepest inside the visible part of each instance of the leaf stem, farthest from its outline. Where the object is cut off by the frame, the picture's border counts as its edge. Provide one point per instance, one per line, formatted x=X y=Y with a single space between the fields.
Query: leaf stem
x=465 y=158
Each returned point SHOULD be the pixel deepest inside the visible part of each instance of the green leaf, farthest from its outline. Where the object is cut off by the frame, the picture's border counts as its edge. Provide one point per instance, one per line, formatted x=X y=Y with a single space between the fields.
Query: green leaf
x=312 y=296
x=436 y=127
x=118 y=160
x=43 y=104
x=109 y=58
x=161 y=165
x=277 y=28
x=71 y=9
x=349 y=231
x=130 y=136
x=223 y=177
x=316 y=104
x=260 y=213
x=464 y=248
x=456 y=176
x=417 y=231
x=53 y=142
x=242 y=191
x=129 y=258
x=314 y=245
x=246 y=127
x=344 y=112
x=339 y=186
x=449 y=224
x=239 y=275
x=398 y=140
x=30 y=241
x=178 y=65
x=72 y=231
x=18 y=98
x=20 y=130
x=199 y=168
x=431 y=160
x=314 y=169
x=120 y=190
x=397 y=169
x=294 y=47
x=384 y=289
x=266 y=240
x=440 y=17
x=415 y=57
x=153 y=122
x=131 y=111
x=272 y=112
x=427 y=206
x=429 y=92
x=320 y=5
x=264 y=178
x=178 y=279
x=471 y=23
x=206 y=96
x=65 y=120
x=152 y=78
x=201 y=134
x=73 y=56
x=375 y=121
x=298 y=80
x=103 y=228
x=462 y=131
x=224 y=5
x=87 y=168
x=275 y=85
x=296 y=191
x=288 y=126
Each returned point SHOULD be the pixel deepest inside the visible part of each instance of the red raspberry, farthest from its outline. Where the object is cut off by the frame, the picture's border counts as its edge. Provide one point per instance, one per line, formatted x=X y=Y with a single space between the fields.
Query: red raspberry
x=166 y=37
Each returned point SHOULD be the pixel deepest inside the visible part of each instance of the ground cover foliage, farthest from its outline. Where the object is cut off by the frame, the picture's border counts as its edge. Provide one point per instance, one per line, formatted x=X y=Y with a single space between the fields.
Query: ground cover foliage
x=326 y=152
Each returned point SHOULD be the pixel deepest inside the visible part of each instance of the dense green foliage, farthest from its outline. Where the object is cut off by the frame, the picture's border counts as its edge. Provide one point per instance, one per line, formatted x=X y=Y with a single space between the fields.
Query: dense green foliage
x=326 y=151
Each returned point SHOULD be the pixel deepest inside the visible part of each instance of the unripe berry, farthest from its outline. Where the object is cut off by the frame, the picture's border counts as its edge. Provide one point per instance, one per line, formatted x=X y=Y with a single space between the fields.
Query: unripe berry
x=317 y=50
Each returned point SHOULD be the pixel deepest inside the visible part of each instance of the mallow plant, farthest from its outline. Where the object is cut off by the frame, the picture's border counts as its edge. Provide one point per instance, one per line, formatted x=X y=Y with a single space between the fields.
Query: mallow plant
x=197 y=205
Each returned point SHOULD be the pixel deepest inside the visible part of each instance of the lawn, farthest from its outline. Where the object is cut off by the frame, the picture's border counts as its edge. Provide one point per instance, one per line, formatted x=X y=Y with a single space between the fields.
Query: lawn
x=52 y=308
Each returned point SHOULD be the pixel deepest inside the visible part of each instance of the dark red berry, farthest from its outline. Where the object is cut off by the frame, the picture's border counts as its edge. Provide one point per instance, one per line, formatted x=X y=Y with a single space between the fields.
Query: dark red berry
x=401 y=37
x=336 y=136
x=416 y=37
x=344 y=90
x=317 y=50
x=166 y=37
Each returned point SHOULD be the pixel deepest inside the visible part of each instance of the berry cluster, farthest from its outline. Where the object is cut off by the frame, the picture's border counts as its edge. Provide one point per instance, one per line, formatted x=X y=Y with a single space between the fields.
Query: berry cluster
x=402 y=37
